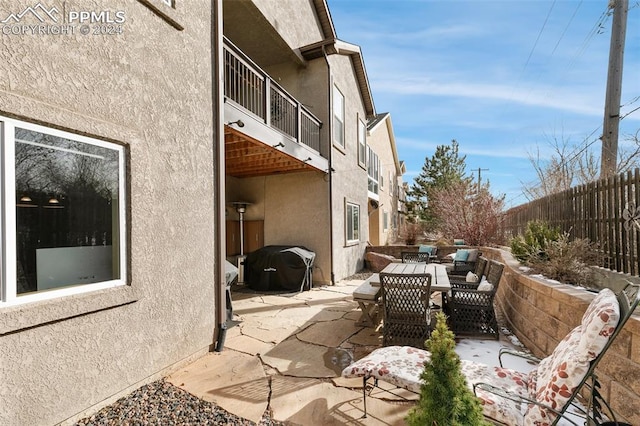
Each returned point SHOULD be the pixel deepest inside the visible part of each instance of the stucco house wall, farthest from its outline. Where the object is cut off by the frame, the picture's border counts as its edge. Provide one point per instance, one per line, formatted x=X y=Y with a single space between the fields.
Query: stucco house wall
x=148 y=88
x=294 y=20
x=380 y=140
x=349 y=179
x=297 y=23
x=295 y=211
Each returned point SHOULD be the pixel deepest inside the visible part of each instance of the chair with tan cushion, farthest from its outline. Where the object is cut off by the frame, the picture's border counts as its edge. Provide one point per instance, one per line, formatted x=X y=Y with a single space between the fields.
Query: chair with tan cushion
x=473 y=278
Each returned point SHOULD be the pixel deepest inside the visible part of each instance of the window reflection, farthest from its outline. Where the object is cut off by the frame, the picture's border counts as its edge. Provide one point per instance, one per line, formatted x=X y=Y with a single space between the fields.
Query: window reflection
x=66 y=212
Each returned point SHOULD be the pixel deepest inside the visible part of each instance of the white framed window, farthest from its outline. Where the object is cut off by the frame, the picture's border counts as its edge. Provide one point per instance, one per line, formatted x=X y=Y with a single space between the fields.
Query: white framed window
x=362 y=143
x=338 y=117
x=385 y=220
x=381 y=173
x=64 y=221
x=373 y=171
x=352 y=222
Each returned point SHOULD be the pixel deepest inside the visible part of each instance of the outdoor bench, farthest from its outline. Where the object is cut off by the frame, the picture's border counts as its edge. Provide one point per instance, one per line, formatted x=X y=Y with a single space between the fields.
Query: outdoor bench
x=367 y=295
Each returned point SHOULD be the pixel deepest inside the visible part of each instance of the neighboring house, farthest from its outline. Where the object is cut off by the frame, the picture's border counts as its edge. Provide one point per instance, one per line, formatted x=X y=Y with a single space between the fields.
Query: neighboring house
x=384 y=173
x=126 y=139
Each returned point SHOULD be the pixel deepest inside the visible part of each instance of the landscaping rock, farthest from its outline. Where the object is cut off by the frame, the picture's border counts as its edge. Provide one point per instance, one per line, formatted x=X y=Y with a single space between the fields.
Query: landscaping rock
x=378 y=261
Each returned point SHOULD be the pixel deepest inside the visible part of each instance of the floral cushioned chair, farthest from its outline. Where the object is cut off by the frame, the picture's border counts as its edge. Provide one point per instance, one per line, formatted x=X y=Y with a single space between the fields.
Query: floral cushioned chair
x=540 y=397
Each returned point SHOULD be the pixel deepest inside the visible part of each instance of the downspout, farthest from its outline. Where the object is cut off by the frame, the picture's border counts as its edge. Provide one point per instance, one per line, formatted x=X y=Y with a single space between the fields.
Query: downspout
x=330 y=171
x=220 y=285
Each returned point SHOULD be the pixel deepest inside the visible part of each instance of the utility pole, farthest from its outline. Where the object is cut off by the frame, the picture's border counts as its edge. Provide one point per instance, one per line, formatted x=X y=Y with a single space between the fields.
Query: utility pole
x=609 y=157
x=480 y=178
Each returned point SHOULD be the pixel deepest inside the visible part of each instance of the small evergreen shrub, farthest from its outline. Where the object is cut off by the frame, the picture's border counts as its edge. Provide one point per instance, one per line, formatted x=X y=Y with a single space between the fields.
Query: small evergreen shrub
x=533 y=245
x=445 y=398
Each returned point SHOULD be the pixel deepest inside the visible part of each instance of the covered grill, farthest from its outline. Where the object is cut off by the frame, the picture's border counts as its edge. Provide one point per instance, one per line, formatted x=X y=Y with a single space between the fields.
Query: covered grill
x=279 y=268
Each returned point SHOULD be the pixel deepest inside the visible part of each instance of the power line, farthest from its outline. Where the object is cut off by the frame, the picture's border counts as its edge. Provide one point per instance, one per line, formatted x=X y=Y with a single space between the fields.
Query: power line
x=629 y=113
x=595 y=29
x=544 y=24
x=575 y=12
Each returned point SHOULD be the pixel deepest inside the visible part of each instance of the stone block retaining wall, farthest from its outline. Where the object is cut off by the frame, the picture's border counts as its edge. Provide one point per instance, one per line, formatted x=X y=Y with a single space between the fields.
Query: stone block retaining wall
x=541 y=314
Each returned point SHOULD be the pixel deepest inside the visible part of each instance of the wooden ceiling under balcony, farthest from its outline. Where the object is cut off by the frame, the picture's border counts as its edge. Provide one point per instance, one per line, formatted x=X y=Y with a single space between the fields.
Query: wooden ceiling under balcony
x=247 y=157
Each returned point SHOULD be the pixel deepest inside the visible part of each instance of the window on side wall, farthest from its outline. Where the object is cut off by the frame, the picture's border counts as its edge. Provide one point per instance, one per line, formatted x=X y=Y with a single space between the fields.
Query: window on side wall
x=64 y=213
x=353 y=223
x=385 y=221
x=373 y=171
x=338 y=118
x=362 y=143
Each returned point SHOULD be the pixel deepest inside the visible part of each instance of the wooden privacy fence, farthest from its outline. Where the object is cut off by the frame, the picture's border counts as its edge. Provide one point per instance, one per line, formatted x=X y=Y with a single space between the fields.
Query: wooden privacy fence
x=607 y=212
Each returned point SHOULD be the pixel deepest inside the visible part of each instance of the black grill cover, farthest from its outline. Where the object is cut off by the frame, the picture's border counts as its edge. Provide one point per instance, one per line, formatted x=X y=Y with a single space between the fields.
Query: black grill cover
x=279 y=268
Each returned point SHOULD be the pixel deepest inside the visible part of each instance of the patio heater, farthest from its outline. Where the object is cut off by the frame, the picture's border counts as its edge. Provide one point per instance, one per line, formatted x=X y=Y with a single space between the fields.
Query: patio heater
x=241 y=208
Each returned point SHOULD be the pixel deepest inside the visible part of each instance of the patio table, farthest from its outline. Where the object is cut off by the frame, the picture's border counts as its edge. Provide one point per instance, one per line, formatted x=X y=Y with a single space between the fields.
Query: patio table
x=439 y=277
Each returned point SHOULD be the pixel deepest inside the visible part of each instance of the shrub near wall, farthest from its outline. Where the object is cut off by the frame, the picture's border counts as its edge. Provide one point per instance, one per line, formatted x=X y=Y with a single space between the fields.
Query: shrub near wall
x=541 y=314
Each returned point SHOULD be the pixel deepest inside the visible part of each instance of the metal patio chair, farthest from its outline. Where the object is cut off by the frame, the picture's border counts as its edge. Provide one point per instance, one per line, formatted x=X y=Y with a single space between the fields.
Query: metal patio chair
x=471 y=310
x=462 y=265
x=480 y=271
x=405 y=307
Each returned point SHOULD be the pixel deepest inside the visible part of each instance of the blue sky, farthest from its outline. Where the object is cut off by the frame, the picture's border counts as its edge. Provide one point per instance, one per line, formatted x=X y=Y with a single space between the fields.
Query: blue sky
x=503 y=78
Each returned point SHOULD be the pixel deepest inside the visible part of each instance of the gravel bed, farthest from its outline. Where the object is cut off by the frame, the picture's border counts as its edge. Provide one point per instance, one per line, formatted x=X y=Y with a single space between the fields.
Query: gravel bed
x=161 y=403
x=361 y=275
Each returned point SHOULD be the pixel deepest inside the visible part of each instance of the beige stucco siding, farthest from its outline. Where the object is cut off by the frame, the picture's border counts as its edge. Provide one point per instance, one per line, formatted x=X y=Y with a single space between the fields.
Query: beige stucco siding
x=349 y=179
x=295 y=20
x=294 y=221
x=295 y=211
x=150 y=89
x=380 y=141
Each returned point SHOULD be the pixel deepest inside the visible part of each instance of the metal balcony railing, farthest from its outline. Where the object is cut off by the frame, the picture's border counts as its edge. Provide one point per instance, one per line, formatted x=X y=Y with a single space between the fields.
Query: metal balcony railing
x=250 y=87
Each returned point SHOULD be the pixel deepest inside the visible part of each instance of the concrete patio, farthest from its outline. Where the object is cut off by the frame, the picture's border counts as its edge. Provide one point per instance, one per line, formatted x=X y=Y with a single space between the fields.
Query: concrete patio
x=285 y=354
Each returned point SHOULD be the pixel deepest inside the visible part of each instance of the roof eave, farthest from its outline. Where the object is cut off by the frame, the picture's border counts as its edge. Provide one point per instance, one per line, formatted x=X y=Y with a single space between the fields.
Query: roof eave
x=339 y=47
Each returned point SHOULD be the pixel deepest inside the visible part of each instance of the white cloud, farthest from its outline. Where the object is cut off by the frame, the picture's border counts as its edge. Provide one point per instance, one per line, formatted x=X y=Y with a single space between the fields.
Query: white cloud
x=428 y=148
x=562 y=99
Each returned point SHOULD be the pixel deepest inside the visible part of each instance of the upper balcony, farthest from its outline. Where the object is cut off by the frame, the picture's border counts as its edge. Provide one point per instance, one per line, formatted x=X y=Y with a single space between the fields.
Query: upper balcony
x=267 y=131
